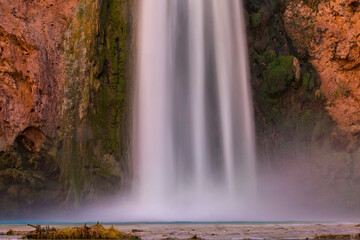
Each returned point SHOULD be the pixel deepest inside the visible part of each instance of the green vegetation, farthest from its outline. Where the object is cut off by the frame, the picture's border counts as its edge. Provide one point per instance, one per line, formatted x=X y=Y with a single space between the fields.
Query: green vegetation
x=256 y=19
x=93 y=232
x=108 y=119
x=95 y=136
x=276 y=4
x=278 y=75
x=10 y=232
x=290 y=114
x=27 y=178
x=292 y=123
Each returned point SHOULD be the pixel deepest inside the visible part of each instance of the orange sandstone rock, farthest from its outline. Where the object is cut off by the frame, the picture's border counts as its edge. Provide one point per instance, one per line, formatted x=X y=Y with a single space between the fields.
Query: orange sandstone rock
x=31 y=68
x=329 y=37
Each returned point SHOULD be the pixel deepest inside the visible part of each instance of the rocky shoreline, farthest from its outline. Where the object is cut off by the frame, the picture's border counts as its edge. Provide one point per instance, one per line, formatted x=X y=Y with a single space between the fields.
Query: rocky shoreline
x=218 y=231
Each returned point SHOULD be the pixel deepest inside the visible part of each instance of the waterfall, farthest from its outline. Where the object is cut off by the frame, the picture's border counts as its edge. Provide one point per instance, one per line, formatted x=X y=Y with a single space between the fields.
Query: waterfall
x=193 y=126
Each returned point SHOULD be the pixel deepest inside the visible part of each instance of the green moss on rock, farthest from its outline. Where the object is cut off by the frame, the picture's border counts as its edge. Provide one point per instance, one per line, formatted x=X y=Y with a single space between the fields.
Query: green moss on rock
x=292 y=123
x=278 y=75
x=256 y=19
x=95 y=136
x=27 y=180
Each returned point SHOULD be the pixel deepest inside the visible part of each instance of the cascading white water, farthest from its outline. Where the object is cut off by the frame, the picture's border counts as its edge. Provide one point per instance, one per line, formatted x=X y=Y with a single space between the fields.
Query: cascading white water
x=194 y=147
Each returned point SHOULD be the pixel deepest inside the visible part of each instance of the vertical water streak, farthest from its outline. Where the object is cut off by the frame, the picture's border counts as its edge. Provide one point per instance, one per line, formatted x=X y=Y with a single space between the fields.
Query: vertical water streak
x=245 y=98
x=222 y=34
x=195 y=133
x=154 y=140
x=181 y=87
x=196 y=37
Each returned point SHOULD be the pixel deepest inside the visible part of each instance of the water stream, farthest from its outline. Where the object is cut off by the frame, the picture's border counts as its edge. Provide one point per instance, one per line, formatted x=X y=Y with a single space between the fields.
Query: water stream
x=193 y=126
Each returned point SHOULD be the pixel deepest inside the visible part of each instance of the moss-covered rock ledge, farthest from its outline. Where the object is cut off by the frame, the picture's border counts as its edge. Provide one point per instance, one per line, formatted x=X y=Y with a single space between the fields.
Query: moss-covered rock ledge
x=94 y=145
x=297 y=138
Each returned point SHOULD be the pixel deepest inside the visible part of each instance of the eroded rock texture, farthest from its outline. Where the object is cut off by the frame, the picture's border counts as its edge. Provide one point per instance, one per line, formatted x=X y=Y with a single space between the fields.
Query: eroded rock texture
x=31 y=66
x=65 y=101
x=329 y=36
x=304 y=75
x=31 y=79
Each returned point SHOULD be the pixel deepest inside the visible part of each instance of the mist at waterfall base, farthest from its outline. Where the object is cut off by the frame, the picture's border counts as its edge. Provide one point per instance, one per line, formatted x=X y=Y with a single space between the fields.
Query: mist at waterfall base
x=194 y=137
x=281 y=196
x=194 y=144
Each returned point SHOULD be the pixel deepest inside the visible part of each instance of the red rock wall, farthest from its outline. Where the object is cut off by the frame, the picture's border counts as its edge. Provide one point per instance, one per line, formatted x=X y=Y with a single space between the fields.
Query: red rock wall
x=31 y=68
x=330 y=37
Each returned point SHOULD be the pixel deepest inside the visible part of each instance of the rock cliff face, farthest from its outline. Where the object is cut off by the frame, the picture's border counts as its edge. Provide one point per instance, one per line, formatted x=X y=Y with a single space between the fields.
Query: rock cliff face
x=94 y=137
x=329 y=37
x=31 y=80
x=65 y=98
x=304 y=57
x=64 y=102
x=31 y=69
